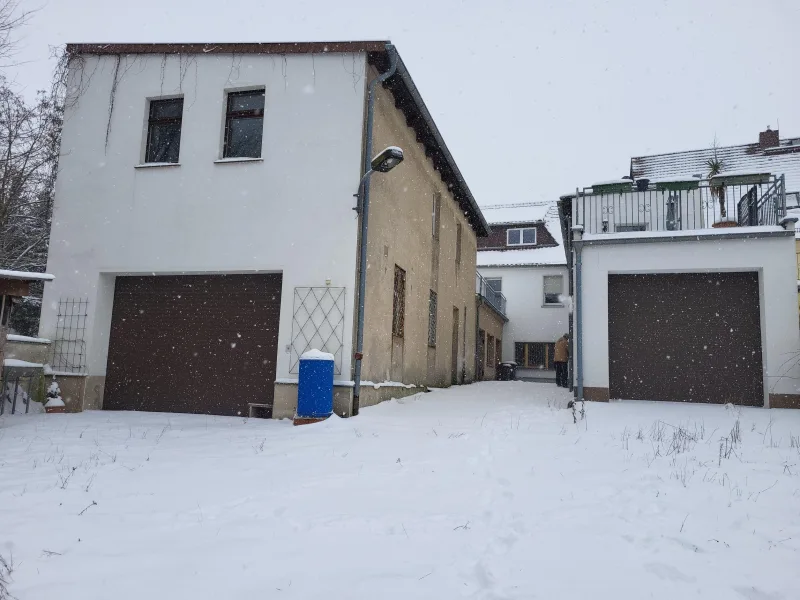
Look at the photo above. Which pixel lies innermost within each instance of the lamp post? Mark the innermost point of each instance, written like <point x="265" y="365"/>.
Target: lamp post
<point x="384" y="162"/>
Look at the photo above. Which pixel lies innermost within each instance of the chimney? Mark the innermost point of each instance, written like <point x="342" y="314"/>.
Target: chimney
<point x="768" y="139"/>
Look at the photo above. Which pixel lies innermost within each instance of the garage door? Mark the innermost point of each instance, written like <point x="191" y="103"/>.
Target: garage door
<point x="686" y="337"/>
<point x="194" y="344"/>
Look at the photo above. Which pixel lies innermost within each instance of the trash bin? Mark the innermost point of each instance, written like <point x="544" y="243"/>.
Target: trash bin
<point x="506" y="371"/>
<point x="315" y="385"/>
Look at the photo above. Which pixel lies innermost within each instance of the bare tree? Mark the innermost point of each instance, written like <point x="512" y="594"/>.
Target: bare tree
<point x="11" y="19"/>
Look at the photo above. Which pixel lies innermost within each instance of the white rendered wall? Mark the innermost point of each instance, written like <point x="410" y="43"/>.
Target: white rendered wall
<point x="529" y="320"/>
<point x="773" y="258"/>
<point x="290" y="213"/>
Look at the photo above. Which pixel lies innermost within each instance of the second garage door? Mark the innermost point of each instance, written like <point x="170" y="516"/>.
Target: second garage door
<point x="691" y="337"/>
<point x="194" y="344"/>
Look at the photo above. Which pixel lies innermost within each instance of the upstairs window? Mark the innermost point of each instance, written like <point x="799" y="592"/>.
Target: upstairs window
<point x="244" y="124"/>
<point x="436" y="210"/>
<point x="496" y="283"/>
<point x="164" y="131"/>
<point x="458" y="245"/>
<point x="525" y="236"/>
<point x="553" y="288"/>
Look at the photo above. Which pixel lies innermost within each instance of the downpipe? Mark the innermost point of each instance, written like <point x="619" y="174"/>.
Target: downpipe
<point x="363" y="210"/>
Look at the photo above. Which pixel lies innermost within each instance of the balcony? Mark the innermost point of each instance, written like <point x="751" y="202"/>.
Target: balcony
<point x="727" y="200"/>
<point x="495" y="299"/>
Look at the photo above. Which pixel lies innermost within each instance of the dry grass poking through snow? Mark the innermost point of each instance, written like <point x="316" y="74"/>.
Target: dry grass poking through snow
<point x="485" y="491"/>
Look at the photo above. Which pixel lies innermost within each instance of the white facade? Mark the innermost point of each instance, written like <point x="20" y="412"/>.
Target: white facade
<point x="288" y="212"/>
<point x="529" y="318"/>
<point x="773" y="258"/>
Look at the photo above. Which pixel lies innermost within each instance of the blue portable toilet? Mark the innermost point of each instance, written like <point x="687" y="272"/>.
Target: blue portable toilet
<point x="315" y="385"/>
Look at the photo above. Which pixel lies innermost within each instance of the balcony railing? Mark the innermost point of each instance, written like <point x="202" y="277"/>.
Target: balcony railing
<point x="683" y="204"/>
<point x="484" y="289"/>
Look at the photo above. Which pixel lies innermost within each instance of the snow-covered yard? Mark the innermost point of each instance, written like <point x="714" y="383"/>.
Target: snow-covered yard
<point x="486" y="491"/>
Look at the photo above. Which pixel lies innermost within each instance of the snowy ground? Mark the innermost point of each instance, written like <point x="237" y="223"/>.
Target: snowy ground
<point x="485" y="491"/>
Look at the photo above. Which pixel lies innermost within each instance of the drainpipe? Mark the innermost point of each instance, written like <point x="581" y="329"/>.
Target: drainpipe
<point x="364" y="212"/>
<point x="577" y="237"/>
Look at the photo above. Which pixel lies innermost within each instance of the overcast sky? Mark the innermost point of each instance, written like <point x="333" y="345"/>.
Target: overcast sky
<point x="533" y="97"/>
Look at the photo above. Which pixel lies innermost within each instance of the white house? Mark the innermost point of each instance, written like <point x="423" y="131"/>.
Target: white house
<point x="204" y="233"/>
<point x="524" y="259"/>
<point x="684" y="290"/>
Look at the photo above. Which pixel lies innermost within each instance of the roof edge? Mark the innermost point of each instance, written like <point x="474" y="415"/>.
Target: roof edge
<point x="229" y="47"/>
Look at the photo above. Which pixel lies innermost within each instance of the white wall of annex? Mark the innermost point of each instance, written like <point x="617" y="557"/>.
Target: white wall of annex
<point x="290" y="212"/>
<point x="773" y="258"/>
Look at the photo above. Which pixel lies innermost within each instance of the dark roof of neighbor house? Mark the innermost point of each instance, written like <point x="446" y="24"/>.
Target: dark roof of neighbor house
<point x="781" y="157"/>
<point x="525" y="213"/>
<point x="407" y="96"/>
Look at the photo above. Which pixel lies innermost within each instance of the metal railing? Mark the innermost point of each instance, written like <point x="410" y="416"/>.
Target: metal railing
<point x="681" y="205"/>
<point x="484" y="289"/>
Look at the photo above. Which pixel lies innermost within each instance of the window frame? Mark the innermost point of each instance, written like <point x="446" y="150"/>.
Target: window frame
<point x="436" y="215"/>
<point x="489" y="281"/>
<point x="152" y="104"/>
<point x="545" y="303"/>
<point x="399" y="302"/>
<point x="522" y="231"/>
<point x="545" y="349"/>
<point x="433" y="308"/>
<point x="459" y="239"/>
<point x="230" y="115"/>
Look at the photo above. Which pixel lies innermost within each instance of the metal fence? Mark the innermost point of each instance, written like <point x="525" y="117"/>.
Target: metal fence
<point x="689" y="204"/>
<point x="17" y="391"/>
<point x="488" y="293"/>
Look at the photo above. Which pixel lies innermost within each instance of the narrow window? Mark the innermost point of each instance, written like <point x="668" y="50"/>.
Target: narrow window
<point x="432" y="320"/>
<point x="244" y="124"/>
<point x="525" y="236"/>
<point x="399" y="304"/>
<point x="436" y="210"/>
<point x="458" y="245"/>
<point x="498" y="355"/>
<point x="164" y="131"/>
<point x="496" y="283"/>
<point x="553" y="288"/>
<point x="490" y="350"/>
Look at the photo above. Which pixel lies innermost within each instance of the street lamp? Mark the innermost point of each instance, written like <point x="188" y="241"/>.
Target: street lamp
<point x="384" y="162"/>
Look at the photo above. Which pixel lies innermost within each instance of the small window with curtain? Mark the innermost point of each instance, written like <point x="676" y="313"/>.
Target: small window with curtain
<point x="553" y="288"/>
<point x="432" y="303"/>
<point x="244" y="124"/>
<point x="164" y="131"/>
<point x="399" y="303"/>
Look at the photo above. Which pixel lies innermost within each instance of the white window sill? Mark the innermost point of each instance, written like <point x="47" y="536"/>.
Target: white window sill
<point x="515" y="246"/>
<point x="155" y="165"/>
<point x="237" y="159"/>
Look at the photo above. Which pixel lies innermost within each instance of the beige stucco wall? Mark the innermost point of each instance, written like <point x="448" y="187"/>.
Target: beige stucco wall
<point x="492" y="325"/>
<point x="400" y="234"/>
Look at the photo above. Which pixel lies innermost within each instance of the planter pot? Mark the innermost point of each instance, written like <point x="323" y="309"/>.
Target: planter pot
<point x="723" y="224"/>
<point x="55" y="409"/>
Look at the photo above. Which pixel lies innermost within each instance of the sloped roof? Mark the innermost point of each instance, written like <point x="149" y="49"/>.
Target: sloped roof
<point x="509" y="214"/>
<point x="531" y="212"/>
<point x="783" y="159"/>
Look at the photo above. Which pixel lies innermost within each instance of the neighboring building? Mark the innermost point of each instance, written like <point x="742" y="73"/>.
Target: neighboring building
<point x="770" y="154"/>
<point x="523" y="258"/>
<point x="204" y="221"/>
<point x="684" y="290"/>
<point x="491" y="307"/>
<point x="14" y="285"/>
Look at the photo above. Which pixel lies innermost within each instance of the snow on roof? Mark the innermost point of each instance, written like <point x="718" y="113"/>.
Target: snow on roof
<point x="25" y="275"/>
<point x="523" y="212"/>
<point x="12" y="337"/>
<point x="741" y="173"/>
<point x="687" y="233"/>
<point x="613" y="182"/>
<point x="15" y="362"/>
<point x="547" y="256"/>
<point x="747" y="157"/>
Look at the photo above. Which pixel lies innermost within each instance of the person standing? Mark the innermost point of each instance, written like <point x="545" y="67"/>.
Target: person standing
<point x="561" y="358"/>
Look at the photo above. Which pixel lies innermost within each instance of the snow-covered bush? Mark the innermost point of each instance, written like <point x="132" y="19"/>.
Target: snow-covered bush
<point x="54" y="399"/>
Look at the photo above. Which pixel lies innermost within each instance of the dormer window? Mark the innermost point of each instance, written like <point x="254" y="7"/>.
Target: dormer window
<point x="525" y="236"/>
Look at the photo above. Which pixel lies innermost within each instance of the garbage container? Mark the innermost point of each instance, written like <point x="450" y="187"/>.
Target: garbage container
<point x="506" y="371"/>
<point x="315" y="385"/>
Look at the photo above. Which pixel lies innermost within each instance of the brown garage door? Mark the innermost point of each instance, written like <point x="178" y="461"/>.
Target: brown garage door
<point x="194" y="344"/>
<point x="686" y="337"/>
